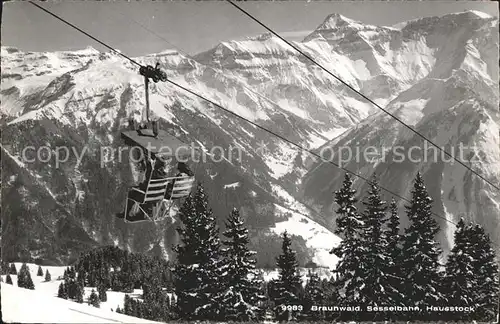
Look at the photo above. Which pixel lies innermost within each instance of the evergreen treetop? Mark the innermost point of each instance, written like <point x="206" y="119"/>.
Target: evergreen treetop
<point x="47" y="275"/>
<point x="24" y="278"/>
<point x="288" y="286"/>
<point x="242" y="292"/>
<point x="13" y="270"/>
<point x="350" y="269"/>
<point x="198" y="267"/>
<point x="376" y="289"/>
<point x="420" y="251"/>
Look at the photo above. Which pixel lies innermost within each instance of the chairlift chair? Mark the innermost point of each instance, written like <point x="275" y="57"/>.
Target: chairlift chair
<point x="151" y="204"/>
<point x="148" y="202"/>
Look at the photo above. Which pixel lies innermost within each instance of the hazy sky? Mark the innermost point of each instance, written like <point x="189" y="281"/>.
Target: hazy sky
<point x="195" y="26"/>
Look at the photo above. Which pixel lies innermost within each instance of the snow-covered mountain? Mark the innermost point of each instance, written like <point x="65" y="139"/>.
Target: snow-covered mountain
<point x="454" y="102"/>
<point x="83" y="99"/>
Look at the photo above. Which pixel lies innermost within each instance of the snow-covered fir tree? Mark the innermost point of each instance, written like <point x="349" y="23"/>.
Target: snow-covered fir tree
<point x="197" y="272"/>
<point x="47" y="276"/>
<point x="331" y="297"/>
<point x="393" y="249"/>
<point x="39" y="272"/>
<point x="62" y="292"/>
<point x="101" y="290"/>
<point x="8" y="279"/>
<point x="349" y="271"/>
<point x="24" y="278"/>
<point x="313" y="296"/>
<point x="156" y="302"/>
<point x="243" y="293"/>
<point x="460" y="280"/>
<point x="13" y="270"/>
<point x="376" y="289"/>
<point x="288" y="286"/>
<point x="485" y="269"/>
<point x="420" y="254"/>
<point x="79" y="293"/>
<point x="94" y="299"/>
<point x="4" y="267"/>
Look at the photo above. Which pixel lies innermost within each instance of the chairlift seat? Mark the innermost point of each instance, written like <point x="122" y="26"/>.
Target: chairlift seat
<point x="154" y="197"/>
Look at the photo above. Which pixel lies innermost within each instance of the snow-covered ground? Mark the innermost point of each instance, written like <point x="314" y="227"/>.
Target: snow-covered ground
<point x="48" y="308"/>
<point x="21" y="305"/>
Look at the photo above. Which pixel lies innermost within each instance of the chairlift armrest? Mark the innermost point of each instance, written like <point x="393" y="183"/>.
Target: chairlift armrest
<point x="137" y="189"/>
<point x="137" y="195"/>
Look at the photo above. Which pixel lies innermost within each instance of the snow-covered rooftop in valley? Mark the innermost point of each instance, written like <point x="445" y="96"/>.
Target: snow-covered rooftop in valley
<point x="232" y="185"/>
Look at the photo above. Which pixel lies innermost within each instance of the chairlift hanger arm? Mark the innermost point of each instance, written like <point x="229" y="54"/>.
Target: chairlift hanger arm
<point x="155" y="74"/>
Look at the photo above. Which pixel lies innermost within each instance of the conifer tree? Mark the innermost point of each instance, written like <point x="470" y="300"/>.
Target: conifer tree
<point x="71" y="272"/>
<point x="460" y="279"/>
<point x="393" y="241"/>
<point x="101" y="289"/>
<point x="79" y="293"/>
<point x="5" y="267"/>
<point x="94" y="299"/>
<point x="348" y="273"/>
<point x="243" y="294"/>
<point x="288" y="284"/>
<point x="61" y="292"/>
<point x="314" y="295"/>
<point x="39" y="272"/>
<point x="485" y="269"/>
<point x="197" y="272"/>
<point x="127" y="305"/>
<point x="13" y="270"/>
<point x="394" y="256"/>
<point x="376" y="289"/>
<point x="24" y="278"/>
<point x="8" y="279"/>
<point x="47" y="276"/>
<point x="420" y="253"/>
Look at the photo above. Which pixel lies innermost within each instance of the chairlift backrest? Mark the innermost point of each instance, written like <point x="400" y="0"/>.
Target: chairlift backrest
<point x="156" y="190"/>
<point x="182" y="186"/>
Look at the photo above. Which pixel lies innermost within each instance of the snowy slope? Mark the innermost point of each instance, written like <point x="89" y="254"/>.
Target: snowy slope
<point x="46" y="309"/>
<point x="114" y="299"/>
